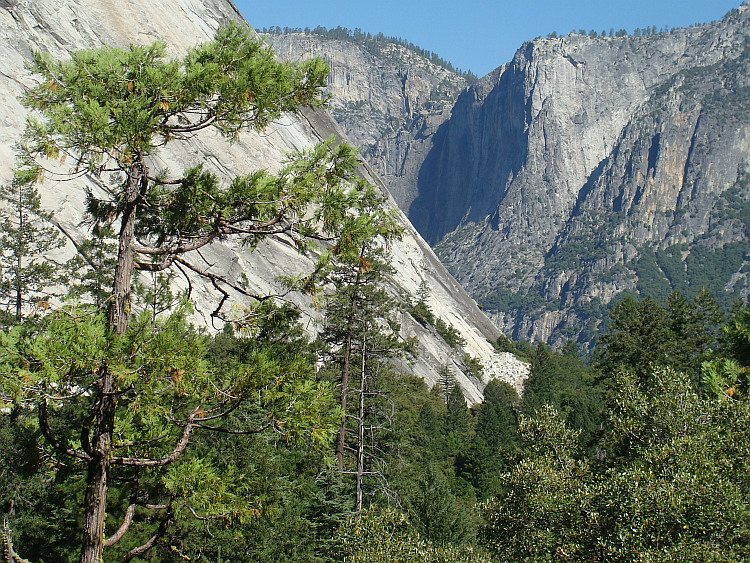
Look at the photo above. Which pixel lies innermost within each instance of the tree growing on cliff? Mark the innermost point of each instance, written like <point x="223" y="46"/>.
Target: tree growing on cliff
<point x="133" y="395"/>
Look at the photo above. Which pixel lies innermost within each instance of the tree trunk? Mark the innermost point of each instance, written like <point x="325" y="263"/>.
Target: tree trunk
<point x="19" y="291"/>
<point x="97" y="484"/>
<point x="97" y="475"/>
<point x="95" y="508"/>
<point x="19" y="261"/>
<point x="361" y="436"/>
<point x="118" y="312"/>
<point x="341" y="438"/>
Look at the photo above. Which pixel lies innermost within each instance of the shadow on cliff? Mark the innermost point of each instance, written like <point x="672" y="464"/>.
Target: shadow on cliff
<point x="474" y="158"/>
<point x="424" y="212"/>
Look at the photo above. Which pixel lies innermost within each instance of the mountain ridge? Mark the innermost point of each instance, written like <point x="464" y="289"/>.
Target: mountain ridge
<point x="388" y="104"/>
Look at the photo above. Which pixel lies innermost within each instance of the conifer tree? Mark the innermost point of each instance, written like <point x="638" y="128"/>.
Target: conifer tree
<point x="458" y="423"/>
<point x="362" y="331"/>
<point x="26" y="236"/>
<point x="147" y="387"/>
<point x="90" y="270"/>
<point x="737" y="335"/>
<point x="639" y="339"/>
<point x="497" y="422"/>
<point x="495" y="441"/>
<point x="447" y="381"/>
<point x="110" y="110"/>
<point x="695" y="326"/>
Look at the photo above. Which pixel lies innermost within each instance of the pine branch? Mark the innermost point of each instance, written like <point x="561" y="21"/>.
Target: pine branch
<point x="52" y="439"/>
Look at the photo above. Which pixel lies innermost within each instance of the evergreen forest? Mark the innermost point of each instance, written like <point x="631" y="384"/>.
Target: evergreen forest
<point x="130" y="434"/>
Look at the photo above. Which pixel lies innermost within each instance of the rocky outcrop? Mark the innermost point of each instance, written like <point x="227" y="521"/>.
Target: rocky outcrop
<point x="59" y="26"/>
<point x="584" y="167"/>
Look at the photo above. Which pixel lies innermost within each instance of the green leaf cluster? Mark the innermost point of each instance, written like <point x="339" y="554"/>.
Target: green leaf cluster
<point x="112" y="103"/>
<point x="667" y="478"/>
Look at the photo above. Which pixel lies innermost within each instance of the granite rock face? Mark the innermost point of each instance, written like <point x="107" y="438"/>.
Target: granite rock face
<point x="590" y="166"/>
<point x="59" y="26"/>
<point x="582" y="168"/>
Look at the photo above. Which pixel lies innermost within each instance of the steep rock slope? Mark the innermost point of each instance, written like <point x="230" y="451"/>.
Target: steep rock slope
<point x="389" y="100"/>
<point x="59" y="26"/>
<point x="589" y="166"/>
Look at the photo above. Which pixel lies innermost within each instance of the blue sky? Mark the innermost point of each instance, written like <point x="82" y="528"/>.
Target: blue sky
<point x="481" y="35"/>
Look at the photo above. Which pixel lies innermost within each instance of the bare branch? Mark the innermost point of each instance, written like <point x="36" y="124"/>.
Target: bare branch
<point x="238" y="432"/>
<point x="222" y="414"/>
<point x="220" y="279"/>
<point x="129" y="513"/>
<point x="9" y="554"/>
<point x="187" y="280"/>
<point x="140" y="550"/>
<point x="176" y="453"/>
<point x="181" y="248"/>
<point x="114" y="538"/>
<point x="195" y="514"/>
<point x="154" y="266"/>
<point x="204" y="122"/>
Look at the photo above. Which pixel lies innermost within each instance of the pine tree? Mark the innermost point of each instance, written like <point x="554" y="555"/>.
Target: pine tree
<point x="639" y="339"/>
<point x="497" y="423"/>
<point x="363" y="334"/>
<point x="91" y="269"/>
<point x="26" y="236"/>
<point x="736" y="335"/>
<point x="148" y="386"/>
<point x="458" y="425"/>
<point x="695" y="326"/>
<point x="447" y="381"/>
<point x="154" y="294"/>
<point x="110" y="110"/>
<point x="495" y="442"/>
<point x="706" y="319"/>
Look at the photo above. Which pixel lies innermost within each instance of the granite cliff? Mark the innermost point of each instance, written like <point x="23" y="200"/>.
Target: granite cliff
<point x="590" y="166"/>
<point x="60" y="26"/>
<point x="584" y="167"/>
<point x="388" y="99"/>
